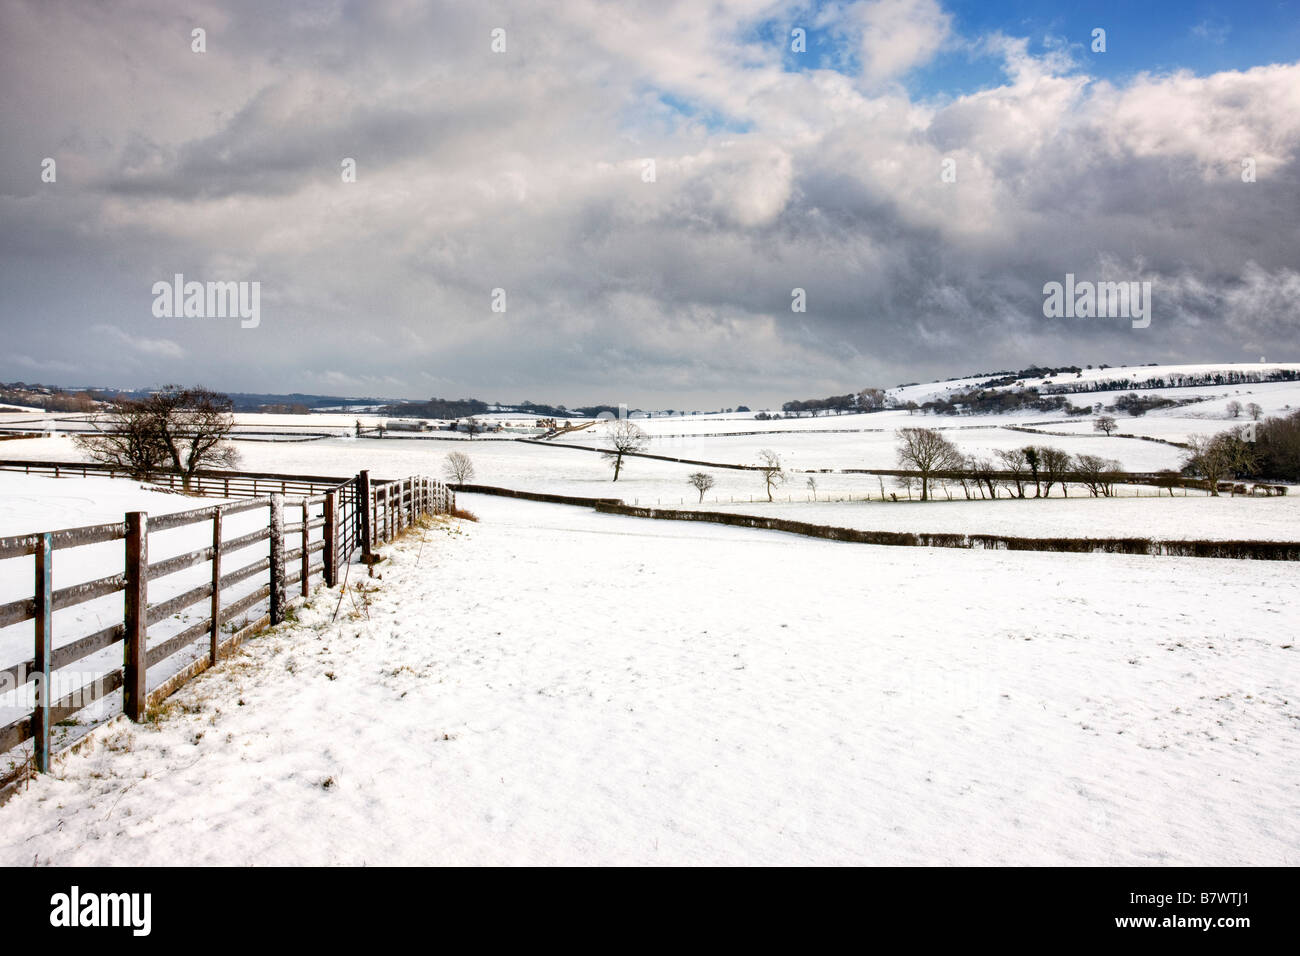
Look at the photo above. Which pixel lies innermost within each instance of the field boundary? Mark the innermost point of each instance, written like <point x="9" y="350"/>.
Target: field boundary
<point x="1256" y="550"/>
<point x="1030" y="430"/>
<point x="536" y="496"/>
<point x="1156" y="479"/>
<point x="1233" y="549"/>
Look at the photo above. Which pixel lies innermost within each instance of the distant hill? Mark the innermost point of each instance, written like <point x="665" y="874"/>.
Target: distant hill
<point x="86" y="399"/>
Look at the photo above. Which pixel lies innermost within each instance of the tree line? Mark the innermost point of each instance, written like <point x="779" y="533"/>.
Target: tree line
<point x="1267" y="450"/>
<point x="1177" y="380"/>
<point x="864" y="400"/>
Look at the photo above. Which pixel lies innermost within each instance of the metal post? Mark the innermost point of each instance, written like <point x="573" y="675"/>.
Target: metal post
<point x="277" y="559"/>
<point x="44" y="652"/>
<point x="306" y="555"/>
<point x="328" y="554"/>
<point x="363" y="514"/>
<point x="215" y="640"/>
<point x="136" y="604"/>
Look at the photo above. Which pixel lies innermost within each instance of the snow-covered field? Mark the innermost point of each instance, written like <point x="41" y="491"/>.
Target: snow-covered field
<point x="553" y="685"/>
<point x="556" y="686"/>
<point x="813" y="450"/>
<point x="574" y="471"/>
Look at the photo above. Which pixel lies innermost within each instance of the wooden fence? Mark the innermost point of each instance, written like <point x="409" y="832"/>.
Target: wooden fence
<point x="326" y="529"/>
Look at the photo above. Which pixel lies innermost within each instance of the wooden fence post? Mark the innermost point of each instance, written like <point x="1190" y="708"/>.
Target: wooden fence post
<point x="306" y="555"/>
<point x="363" y="514"/>
<point x="136" y="605"/>
<point x="277" y="559"/>
<point x="44" y="652"/>
<point x="328" y="554"/>
<point x="216" y="587"/>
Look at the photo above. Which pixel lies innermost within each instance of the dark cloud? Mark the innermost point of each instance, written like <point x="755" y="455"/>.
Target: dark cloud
<point x="524" y="171"/>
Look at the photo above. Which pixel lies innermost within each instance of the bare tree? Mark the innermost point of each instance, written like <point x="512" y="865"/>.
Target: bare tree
<point x="984" y="473"/>
<point x="1104" y="424"/>
<point x="1233" y="409"/>
<point x="458" y="467"/>
<point x="1219" y="456"/>
<point x="1254" y="411"/>
<point x="192" y="424"/>
<point x="812" y="486"/>
<point x="1168" y="478"/>
<point x="927" y="451"/>
<point x="1032" y="460"/>
<point x="1277" y="443"/>
<point x="473" y="426"/>
<point x="1086" y="469"/>
<point x="1055" y="466"/>
<point x="124" y="437"/>
<point x="624" y="437"/>
<point x="176" y="429"/>
<point x="1014" y="461"/>
<point x="701" y="481"/>
<point x="769" y="465"/>
<point x="1097" y="474"/>
<point x="870" y="399"/>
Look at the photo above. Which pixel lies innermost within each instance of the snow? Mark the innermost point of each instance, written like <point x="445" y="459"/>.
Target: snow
<point x="551" y="685"/>
<point x="30" y="503"/>
<point x="637" y="692"/>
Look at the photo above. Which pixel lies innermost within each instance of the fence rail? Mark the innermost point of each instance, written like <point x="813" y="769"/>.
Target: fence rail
<point x="205" y="482"/>
<point x="324" y="529"/>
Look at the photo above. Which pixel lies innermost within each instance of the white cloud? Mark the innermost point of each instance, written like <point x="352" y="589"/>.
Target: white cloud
<point x="144" y="345"/>
<point x="898" y="35"/>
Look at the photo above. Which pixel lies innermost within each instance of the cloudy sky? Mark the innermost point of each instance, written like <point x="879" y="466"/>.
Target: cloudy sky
<point x="527" y="170"/>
